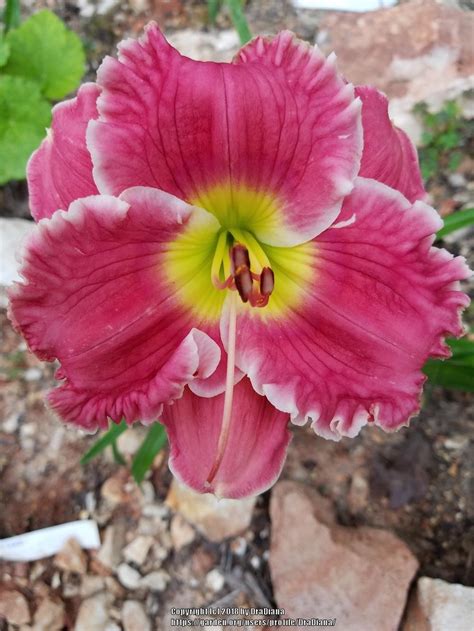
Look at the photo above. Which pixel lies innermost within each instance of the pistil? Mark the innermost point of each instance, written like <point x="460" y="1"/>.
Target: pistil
<point x="229" y="391"/>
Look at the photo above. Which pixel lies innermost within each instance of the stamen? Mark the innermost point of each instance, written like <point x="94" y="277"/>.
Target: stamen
<point x="240" y="257"/>
<point x="267" y="281"/>
<point x="229" y="391"/>
<point x="244" y="283"/>
<point x="237" y="273"/>
<point x="218" y="261"/>
<point x="253" y="245"/>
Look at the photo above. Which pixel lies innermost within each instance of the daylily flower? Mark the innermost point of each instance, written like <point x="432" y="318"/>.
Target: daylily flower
<point x="239" y="244"/>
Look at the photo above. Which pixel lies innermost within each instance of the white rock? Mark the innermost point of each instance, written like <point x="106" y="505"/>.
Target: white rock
<point x="439" y="606"/>
<point x="91" y="585"/>
<point x="457" y="180"/>
<point x="49" y="616"/>
<point x="344" y="5"/>
<point x="110" y="552"/>
<point x="155" y="581"/>
<point x="10" y="424"/>
<point x="12" y="235"/>
<point x="129" y="442"/>
<point x="214" y="46"/>
<point x="182" y="534"/>
<point x="134" y="617"/>
<point x="71" y="558"/>
<point x="14" y="607"/>
<point x="128" y="576"/>
<point x="93" y="614"/>
<point x="138" y="549"/>
<point x="215" y="518"/>
<point x="215" y="580"/>
<point x="32" y="374"/>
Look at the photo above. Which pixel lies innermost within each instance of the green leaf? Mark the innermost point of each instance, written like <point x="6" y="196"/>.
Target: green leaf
<point x="119" y="459"/>
<point x="11" y="14"/>
<point x="448" y="140"/>
<point x="106" y="440"/>
<point x="213" y="8"/>
<point x="456" y="372"/>
<point x="24" y="116"/>
<point x="4" y="51"/>
<point x="239" y="20"/>
<point x="454" y="160"/>
<point x="456" y="221"/>
<point x="155" y="441"/>
<point x="44" y="50"/>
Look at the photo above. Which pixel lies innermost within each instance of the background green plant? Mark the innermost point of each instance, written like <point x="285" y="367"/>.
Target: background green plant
<point x="444" y="139"/>
<point x="237" y="15"/>
<point x="41" y="61"/>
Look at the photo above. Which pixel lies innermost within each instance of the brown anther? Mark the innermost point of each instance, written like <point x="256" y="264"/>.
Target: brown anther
<point x="267" y="281"/>
<point x="239" y="257"/>
<point x="243" y="282"/>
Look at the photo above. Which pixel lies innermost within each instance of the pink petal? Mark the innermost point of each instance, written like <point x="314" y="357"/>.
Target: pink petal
<point x="255" y="450"/>
<point x="215" y="384"/>
<point x="380" y="303"/>
<point x="280" y="121"/>
<point x="389" y="156"/>
<point x="60" y="171"/>
<point x="95" y="297"/>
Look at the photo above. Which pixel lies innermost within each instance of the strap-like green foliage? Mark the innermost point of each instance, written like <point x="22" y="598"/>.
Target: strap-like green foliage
<point x="237" y="16"/>
<point x="456" y="221"/>
<point x="40" y="60"/>
<point x="106" y="440"/>
<point x="155" y="441"/>
<point x="456" y="372"/>
<point x="11" y="15"/>
<point x="4" y="51"/>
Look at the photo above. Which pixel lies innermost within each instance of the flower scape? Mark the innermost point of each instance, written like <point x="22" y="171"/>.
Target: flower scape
<point x="223" y="247"/>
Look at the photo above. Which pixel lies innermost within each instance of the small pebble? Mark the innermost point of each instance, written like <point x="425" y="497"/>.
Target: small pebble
<point x="239" y="546"/>
<point x="457" y="180"/>
<point x="255" y="562"/>
<point x="134" y="617"/>
<point x="128" y="577"/>
<point x="215" y="580"/>
<point x="10" y="425"/>
<point x="32" y="374"/>
<point x="155" y="581"/>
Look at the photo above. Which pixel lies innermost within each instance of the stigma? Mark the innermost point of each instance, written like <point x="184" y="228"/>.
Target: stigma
<point x="253" y="287"/>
